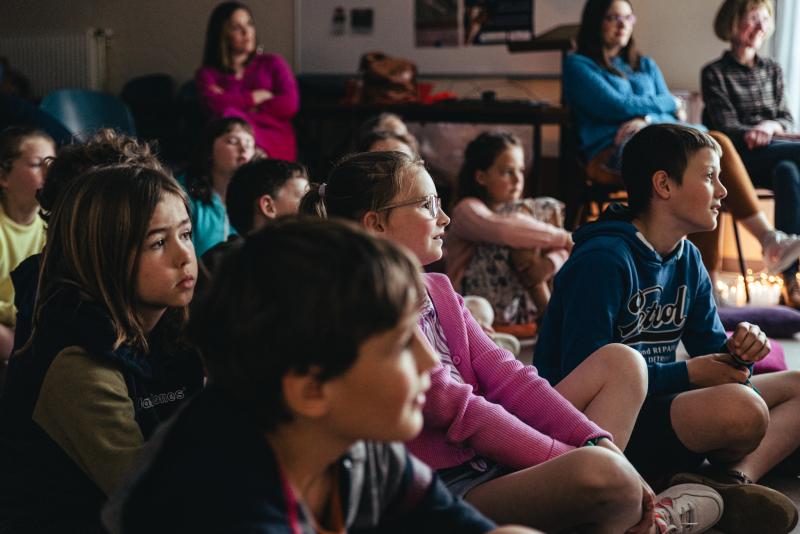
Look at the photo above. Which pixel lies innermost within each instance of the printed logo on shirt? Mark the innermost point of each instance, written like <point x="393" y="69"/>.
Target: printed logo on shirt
<point x="162" y="398"/>
<point x="654" y="322"/>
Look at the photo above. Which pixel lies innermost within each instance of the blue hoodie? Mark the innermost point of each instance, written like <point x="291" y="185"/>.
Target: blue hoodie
<point x="615" y="288"/>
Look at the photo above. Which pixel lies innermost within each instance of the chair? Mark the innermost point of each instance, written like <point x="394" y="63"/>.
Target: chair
<point x="583" y="195"/>
<point x="84" y="112"/>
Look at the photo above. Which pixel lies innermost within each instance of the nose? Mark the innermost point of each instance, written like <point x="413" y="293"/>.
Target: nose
<point x="443" y="219"/>
<point x="719" y="191"/>
<point x="185" y="253"/>
<point x="424" y="356"/>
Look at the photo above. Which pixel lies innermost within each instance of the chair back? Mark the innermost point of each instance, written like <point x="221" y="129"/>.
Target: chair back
<point x="84" y="112"/>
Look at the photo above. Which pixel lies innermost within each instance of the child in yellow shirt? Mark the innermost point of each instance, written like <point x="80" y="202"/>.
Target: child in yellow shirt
<point x="23" y="156"/>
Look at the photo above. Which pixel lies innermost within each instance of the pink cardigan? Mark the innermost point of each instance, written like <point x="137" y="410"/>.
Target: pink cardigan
<point x="504" y="410"/>
<point x="272" y="119"/>
<point x="473" y="223"/>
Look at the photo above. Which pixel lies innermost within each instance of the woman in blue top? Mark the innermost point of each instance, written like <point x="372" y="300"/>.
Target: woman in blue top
<point x="614" y="92"/>
<point x="228" y="143"/>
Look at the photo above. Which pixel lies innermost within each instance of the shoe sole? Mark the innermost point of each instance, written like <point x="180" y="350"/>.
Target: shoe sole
<point x="749" y="508"/>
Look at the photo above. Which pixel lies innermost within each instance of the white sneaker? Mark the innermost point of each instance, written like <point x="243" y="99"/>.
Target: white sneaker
<point x="780" y="251"/>
<point x="687" y="508"/>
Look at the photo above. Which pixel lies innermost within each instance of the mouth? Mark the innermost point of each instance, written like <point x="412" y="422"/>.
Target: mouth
<point x="419" y="400"/>
<point x="186" y="283"/>
<point x="438" y="237"/>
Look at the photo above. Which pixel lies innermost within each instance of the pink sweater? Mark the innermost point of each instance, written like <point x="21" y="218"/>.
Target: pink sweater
<point x="503" y="410"/>
<point x="272" y="119"/>
<point x="473" y="223"/>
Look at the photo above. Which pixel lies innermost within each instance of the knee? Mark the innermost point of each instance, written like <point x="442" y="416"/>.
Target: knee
<point x="626" y="367"/>
<point x="608" y="477"/>
<point x="746" y="419"/>
<point x="786" y="174"/>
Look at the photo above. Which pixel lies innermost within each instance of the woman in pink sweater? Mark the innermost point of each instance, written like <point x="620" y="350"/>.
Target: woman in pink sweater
<point x="499" y="247"/>
<point x="237" y="80"/>
<point x="496" y="432"/>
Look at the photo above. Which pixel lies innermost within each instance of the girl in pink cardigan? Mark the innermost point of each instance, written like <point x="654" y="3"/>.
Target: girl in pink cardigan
<point x="237" y="80"/>
<point x="498" y="247"/>
<point x="496" y="432"/>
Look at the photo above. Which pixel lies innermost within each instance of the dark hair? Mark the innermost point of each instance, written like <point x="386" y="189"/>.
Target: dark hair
<point x="271" y="309"/>
<point x="731" y="12"/>
<point x="359" y="183"/>
<point x="215" y="52"/>
<point x="94" y="240"/>
<point x="479" y="156"/>
<point x="660" y="147"/>
<point x="380" y="123"/>
<point x="106" y="147"/>
<point x="198" y="172"/>
<point x="590" y="37"/>
<point x="11" y="140"/>
<point x="254" y="180"/>
<point x="365" y="143"/>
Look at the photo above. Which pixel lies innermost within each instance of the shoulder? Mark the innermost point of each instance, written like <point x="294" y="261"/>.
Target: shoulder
<point x="440" y="288"/>
<point x="648" y="64"/>
<point x="578" y="62"/>
<point x="469" y="205"/>
<point x="76" y="370"/>
<point x="603" y="257"/>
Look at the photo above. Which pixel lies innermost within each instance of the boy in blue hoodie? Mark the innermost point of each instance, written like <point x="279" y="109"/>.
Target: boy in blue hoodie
<point x="633" y="278"/>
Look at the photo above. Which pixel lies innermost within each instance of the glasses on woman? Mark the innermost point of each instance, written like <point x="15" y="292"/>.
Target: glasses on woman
<point x="627" y="19"/>
<point x="432" y="203"/>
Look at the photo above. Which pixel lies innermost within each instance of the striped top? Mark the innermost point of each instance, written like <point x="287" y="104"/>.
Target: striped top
<point x="432" y="329"/>
<point x="738" y="97"/>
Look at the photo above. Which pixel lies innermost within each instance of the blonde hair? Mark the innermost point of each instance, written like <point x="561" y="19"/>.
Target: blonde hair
<point x="731" y="13"/>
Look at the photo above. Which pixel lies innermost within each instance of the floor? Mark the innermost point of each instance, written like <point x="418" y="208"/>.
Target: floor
<point x="788" y="485"/>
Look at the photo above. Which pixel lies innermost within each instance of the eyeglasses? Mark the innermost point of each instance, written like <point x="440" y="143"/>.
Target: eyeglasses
<point x="432" y="203"/>
<point x="628" y="19"/>
<point x="755" y="18"/>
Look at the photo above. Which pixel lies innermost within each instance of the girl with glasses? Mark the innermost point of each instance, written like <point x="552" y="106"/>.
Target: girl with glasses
<point x="499" y="246"/>
<point x="516" y="448"/>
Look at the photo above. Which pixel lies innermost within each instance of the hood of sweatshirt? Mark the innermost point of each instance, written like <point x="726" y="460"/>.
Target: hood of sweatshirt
<point x="616" y="223"/>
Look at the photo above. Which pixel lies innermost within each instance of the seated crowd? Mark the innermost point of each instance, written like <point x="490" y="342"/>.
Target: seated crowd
<point x="248" y="348"/>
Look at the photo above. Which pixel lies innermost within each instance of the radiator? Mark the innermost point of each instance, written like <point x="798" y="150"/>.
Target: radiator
<point x="59" y="59"/>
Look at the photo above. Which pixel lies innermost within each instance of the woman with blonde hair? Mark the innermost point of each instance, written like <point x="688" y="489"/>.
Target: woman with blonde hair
<point x="744" y="98"/>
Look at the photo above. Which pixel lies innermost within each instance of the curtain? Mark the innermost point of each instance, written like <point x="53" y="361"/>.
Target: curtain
<point x="786" y="44"/>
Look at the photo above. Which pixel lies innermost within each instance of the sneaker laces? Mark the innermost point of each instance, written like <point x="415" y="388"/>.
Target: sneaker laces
<point x="665" y="518"/>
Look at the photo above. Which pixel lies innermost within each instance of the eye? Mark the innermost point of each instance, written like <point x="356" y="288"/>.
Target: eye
<point x="187" y="235"/>
<point x="158" y="244"/>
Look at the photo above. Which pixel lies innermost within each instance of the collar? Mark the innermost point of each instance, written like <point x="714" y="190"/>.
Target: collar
<point x="728" y="56"/>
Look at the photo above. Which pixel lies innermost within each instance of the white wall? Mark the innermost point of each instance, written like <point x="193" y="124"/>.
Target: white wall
<point x="149" y="35"/>
<point x="167" y="35"/>
<point x="678" y="34"/>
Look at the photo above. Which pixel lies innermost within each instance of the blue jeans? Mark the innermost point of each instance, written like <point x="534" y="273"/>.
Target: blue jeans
<point x="777" y="167"/>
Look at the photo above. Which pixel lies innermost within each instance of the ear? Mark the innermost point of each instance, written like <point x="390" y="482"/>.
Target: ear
<point x="662" y="185"/>
<point x="266" y="205"/>
<point x="305" y="394"/>
<point x="480" y="177"/>
<point x="373" y="222"/>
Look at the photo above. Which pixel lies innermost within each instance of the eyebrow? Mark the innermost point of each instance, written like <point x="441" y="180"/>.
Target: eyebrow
<point x="165" y="228"/>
